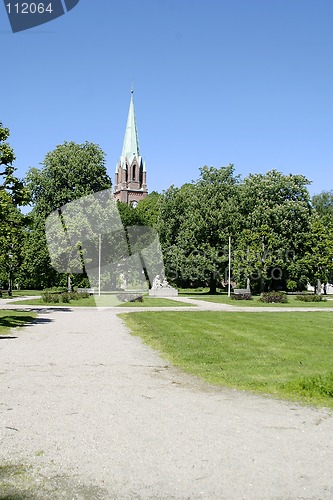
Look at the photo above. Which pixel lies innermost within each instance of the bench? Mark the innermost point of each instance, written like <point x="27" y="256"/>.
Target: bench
<point x="242" y="293"/>
<point x="91" y="291"/>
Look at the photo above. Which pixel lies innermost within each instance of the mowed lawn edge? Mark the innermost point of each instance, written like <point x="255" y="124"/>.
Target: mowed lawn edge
<point x="288" y="356"/>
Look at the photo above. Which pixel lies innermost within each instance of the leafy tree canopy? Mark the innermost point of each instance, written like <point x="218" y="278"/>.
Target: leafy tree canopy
<point x="69" y="172"/>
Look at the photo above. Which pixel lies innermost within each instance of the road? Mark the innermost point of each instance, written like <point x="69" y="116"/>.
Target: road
<point x="99" y="415"/>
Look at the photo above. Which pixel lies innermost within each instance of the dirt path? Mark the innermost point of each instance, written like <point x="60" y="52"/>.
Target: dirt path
<point x="100" y="415"/>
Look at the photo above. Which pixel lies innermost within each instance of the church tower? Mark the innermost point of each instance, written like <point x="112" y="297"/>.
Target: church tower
<point x="130" y="179"/>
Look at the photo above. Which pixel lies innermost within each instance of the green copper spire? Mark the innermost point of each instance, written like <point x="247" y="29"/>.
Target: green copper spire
<point x="131" y="142"/>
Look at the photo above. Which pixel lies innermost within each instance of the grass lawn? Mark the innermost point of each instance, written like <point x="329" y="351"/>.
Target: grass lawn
<point x="285" y="355"/>
<point x="107" y="300"/>
<point x="255" y="302"/>
<point x="14" y="319"/>
<point x="22" y="293"/>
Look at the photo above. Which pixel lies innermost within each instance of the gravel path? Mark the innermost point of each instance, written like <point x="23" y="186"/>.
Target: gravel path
<point x="97" y="414"/>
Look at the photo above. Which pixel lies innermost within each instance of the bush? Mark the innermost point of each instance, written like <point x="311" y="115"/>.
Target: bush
<point x="310" y="298"/>
<point x="82" y="295"/>
<point x="65" y="297"/>
<point x="274" y="297"/>
<point x="53" y="298"/>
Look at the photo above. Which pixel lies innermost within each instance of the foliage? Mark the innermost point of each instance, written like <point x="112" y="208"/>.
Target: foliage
<point x="317" y="256"/>
<point x="275" y="297"/>
<point x="310" y="298"/>
<point x="128" y="214"/>
<point x="13" y="194"/>
<point x="194" y="224"/>
<point x="323" y="204"/>
<point x="12" y="190"/>
<point x="69" y="172"/>
<point x="275" y="212"/>
<point x="64" y="297"/>
<point x="148" y="209"/>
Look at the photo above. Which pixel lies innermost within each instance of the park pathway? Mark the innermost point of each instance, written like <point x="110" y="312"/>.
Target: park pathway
<point x="102" y="416"/>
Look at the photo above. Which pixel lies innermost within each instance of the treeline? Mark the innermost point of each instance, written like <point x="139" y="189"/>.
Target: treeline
<point x="280" y="237"/>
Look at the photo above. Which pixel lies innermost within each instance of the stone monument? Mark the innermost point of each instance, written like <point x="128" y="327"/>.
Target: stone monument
<point x="161" y="288"/>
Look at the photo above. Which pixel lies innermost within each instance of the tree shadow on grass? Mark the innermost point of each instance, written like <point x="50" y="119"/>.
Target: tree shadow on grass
<point x="19" y="320"/>
<point x="15" y="321"/>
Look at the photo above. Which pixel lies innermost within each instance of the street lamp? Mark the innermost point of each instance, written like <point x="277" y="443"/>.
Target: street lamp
<point x="10" y="289"/>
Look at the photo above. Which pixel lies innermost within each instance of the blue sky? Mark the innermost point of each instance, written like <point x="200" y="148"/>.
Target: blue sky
<point x="247" y="82"/>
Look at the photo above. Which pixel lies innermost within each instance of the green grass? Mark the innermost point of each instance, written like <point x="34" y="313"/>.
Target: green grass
<point x="22" y="293"/>
<point x="255" y="302"/>
<point x="107" y="300"/>
<point x="284" y="355"/>
<point x="14" y="319"/>
<point x="15" y="482"/>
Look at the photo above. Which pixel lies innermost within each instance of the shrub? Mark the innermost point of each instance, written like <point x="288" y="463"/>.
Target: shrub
<point x="274" y="297"/>
<point x="82" y="295"/>
<point x="53" y="298"/>
<point x="46" y="296"/>
<point x="65" y="297"/>
<point x="310" y="298"/>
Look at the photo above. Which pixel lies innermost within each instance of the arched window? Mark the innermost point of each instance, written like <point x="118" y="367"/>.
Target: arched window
<point x="134" y="173"/>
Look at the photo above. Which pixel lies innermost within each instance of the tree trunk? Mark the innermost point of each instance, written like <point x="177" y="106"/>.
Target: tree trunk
<point x="212" y="285"/>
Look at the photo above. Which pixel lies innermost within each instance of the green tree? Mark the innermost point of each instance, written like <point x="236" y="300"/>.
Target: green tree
<point x="69" y="172"/>
<point x="195" y="223"/>
<point x="323" y="204"/>
<point x="148" y="209"/>
<point x="13" y="194"/>
<point x="12" y="191"/>
<point x="275" y="211"/>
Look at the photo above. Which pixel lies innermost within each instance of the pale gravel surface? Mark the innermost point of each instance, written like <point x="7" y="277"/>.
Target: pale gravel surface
<point x="103" y="416"/>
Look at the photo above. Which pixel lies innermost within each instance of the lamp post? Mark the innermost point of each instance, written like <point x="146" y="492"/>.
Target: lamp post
<point x="99" y="263"/>
<point x="229" y="267"/>
<point x="10" y="288"/>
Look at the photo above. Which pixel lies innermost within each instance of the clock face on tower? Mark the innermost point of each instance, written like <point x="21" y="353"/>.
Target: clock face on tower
<point x="134" y="204"/>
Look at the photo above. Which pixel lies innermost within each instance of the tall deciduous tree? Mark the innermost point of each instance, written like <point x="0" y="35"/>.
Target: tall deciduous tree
<point x="196" y="222"/>
<point x="13" y="194"/>
<point x="275" y="210"/>
<point x="69" y="172"/>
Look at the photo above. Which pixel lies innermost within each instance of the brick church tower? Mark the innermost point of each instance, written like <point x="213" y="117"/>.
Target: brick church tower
<point x="130" y="180"/>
